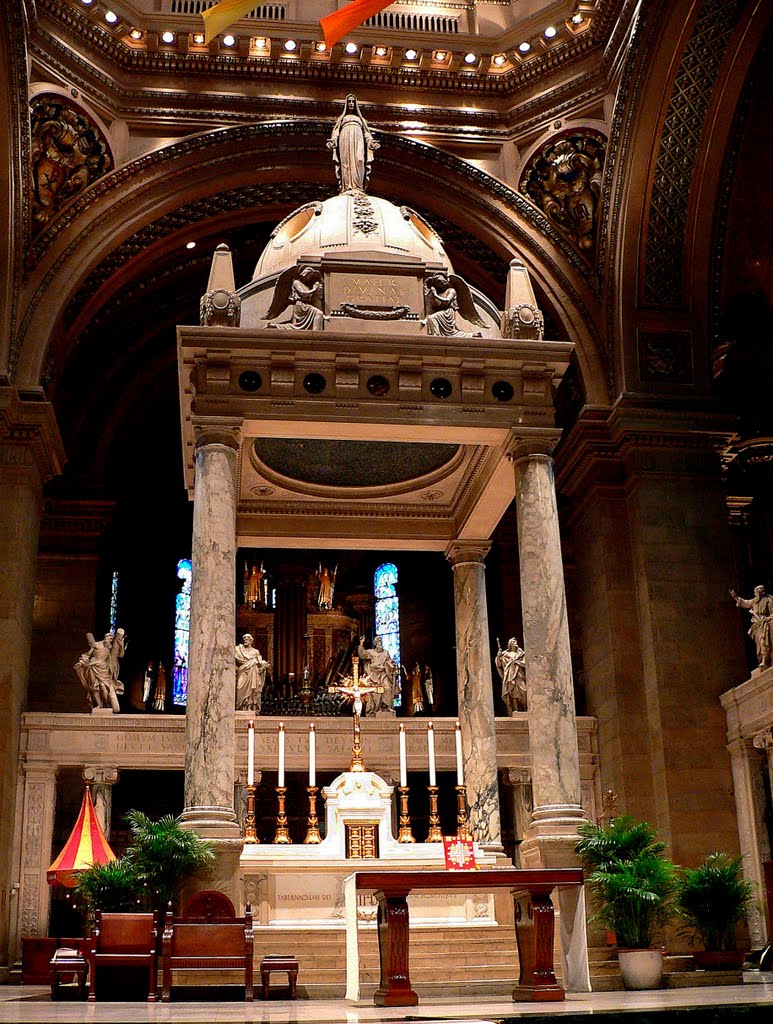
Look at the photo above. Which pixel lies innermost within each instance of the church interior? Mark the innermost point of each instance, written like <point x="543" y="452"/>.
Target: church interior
<point x="434" y="365"/>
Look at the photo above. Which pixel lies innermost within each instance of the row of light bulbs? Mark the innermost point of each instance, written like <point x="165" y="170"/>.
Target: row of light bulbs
<point x="351" y="49"/>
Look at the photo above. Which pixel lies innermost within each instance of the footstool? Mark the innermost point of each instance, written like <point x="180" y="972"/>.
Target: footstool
<point x="279" y="963"/>
<point x="68" y="963"/>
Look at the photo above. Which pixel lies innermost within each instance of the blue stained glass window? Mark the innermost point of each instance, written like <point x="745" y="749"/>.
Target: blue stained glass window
<point x="114" y="602"/>
<point x="388" y="611"/>
<point x="182" y="634"/>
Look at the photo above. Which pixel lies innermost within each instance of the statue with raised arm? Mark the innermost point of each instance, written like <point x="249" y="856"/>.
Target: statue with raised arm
<point x="250" y="675"/>
<point x="382" y="673"/>
<point x="97" y="670"/>
<point x="353" y="147"/>
<point x="445" y="295"/>
<point x="761" y="629"/>
<point x="511" y="666"/>
<point x="327" y="581"/>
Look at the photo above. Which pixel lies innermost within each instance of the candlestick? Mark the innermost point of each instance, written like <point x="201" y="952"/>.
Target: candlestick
<point x="312" y="831"/>
<point x="250" y="835"/>
<point x="281" y="770"/>
<point x="251" y="754"/>
<point x="431" y="752"/>
<point x="403" y="762"/>
<point x="312" y="755"/>
<point x="282" y="836"/>
<point x="434" y="835"/>
<point x="459" y="760"/>
<point x="405" y="835"/>
<point x="462" y="829"/>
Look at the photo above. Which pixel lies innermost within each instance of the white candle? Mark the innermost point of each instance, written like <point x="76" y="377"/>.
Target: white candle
<point x="431" y="752"/>
<point x="403" y="762"/>
<point x="312" y="755"/>
<point x="251" y="754"/>
<point x="459" y="763"/>
<point x="281" y="779"/>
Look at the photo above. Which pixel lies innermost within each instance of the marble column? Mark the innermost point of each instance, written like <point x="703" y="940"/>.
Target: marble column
<point x="30" y="453"/>
<point x="475" y="690"/>
<point x="748" y="767"/>
<point x="210" y="713"/>
<point x="555" y="759"/>
<point x="102" y="781"/>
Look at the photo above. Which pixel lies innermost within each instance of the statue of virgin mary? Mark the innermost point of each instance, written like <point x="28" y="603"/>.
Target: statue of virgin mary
<point x="353" y="147"/>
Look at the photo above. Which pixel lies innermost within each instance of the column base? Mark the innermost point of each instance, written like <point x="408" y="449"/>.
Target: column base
<point x="212" y="822"/>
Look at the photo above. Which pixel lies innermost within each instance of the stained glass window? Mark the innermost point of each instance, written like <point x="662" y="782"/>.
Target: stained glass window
<point x="114" y="602"/>
<point x="388" y="609"/>
<point x="182" y="633"/>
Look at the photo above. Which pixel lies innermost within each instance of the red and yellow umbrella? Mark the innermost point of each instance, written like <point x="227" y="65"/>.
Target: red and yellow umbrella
<point x="87" y="845"/>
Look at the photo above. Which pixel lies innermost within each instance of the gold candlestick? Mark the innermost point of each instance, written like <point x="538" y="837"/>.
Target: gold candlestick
<point x="282" y="836"/>
<point x="434" y="835"/>
<point x="405" y="835"/>
<point x="250" y="835"/>
<point x="312" y="832"/>
<point x="462" y="828"/>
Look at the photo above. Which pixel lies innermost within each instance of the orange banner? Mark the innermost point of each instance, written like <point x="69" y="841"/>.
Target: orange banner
<point x="336" y="25"/>
<point x="220" y="17"/>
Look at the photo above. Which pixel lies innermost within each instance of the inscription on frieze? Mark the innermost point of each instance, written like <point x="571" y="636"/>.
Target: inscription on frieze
<point x="373" y="290"/>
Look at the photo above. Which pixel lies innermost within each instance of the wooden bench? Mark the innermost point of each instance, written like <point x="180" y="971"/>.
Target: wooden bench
<point x="279" y="963"/>
<point x="217" y="945"/>
<point x="123" y="940"/>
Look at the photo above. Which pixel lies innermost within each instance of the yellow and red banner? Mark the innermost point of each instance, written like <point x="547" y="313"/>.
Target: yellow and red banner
<point x="87" y="845"/>
<point x="334" y="27"/>
<point x="460" y="854"/>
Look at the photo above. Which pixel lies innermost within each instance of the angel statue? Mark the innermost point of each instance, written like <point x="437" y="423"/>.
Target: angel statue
<point x="445" y="296"/>
<point x="301" y="288"/>
<point x="353" y="147"/>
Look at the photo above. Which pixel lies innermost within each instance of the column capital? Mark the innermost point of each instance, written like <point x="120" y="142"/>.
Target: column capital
<point x="459" y="551"/>
<point x="29" y="435"/>
<point x="528" y="442"/>
<point x="222" y="430"/>
<point x="100" y="775"/>
<point x="764" y="740"/>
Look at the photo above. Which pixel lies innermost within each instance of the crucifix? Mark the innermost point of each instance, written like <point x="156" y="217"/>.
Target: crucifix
<point x="355" y="689"/>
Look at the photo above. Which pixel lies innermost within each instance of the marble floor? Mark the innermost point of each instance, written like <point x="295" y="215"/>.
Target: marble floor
<point x="32" y="1005"/>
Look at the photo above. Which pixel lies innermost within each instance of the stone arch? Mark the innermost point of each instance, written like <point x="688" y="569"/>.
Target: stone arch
<point x="138" y="196"/>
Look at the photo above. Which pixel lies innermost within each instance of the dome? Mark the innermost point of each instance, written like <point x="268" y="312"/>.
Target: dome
<point x="351" y="223"/>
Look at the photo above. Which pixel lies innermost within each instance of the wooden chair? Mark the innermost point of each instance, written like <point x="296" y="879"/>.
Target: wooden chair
<point x="217" y="945"/>
<point x="124" y="940"/>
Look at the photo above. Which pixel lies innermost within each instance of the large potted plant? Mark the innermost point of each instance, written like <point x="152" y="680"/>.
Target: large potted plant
<point x="113" y="887"/>
<point x="711" y="900"/>
<point x="633" y="885"/>
<point x="164" y="856"/>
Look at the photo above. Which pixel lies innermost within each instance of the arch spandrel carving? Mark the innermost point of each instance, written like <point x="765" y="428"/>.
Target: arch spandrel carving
<point x="201" y="168"/>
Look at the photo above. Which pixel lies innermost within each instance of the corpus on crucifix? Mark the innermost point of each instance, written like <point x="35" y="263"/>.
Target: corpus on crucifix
<point x="355" y="688"/>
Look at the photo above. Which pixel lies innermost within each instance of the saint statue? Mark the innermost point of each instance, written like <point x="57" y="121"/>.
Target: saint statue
<point x="250" y="675"/>
<point x="417" y="694"/>
<point x="511" y="666"/>
<point x="761" y="630"/>
<point x="383" y="673"/>
<point x="97" y="670"/>
<point x="353" y="147"/>
<point x="254" y="594"/>
<point x="327" y="581"/>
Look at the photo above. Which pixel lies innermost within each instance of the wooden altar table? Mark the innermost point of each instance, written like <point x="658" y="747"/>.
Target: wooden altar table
<point x="534" y="925"/>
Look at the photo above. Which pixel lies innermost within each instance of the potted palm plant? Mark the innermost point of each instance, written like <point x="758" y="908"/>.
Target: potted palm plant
<point x="711" y="900"/>
<point x="634" y="886"/>
<point x="164" y="855"/>
<point x="111" y="887"/>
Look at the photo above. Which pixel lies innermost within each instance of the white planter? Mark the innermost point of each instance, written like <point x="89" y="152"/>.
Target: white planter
<point x="641" y="968"/>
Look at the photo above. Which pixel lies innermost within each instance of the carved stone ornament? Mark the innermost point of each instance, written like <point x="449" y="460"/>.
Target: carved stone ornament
<point x="351" y="309"/>
<point x="524" y="321"/>
<point x="564" y="179"/>
<point x="764" y="740"/>
<point x="300" y="287"/>
<point x="445" y="295"/>
<point x="220" y="308"/>
<point x="68" y="152"/>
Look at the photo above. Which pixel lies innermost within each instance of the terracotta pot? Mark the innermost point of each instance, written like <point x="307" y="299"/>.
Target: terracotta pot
<point x="720" y="960"/>
<point x="641" y="968"/>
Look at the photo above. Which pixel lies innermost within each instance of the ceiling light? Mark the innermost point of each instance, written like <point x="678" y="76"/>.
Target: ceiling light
<point x="439" y="55"/>
<point x="111" y="17"/>
<point x="87" y="3"/>
<point x="524" y="47"/>
<point x="260" y="43"/>
<point x="380" y="51"/>
<point x="135" y="33"/>
<point x="321" y="47"/>
<point x="470" y="58"/>
<point x="351" y="47"/>
<point x="411" y="54"/>
<point x="576" y="18"/>
<point x="290" y="45"/>
<point x="499" y="60"/>
<point x="550" y="31"/>
<point x="228" y="40"/>
<point x="167" y="37"/>
<point x="190" y="245"/>
<point x="198" y="38"/>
